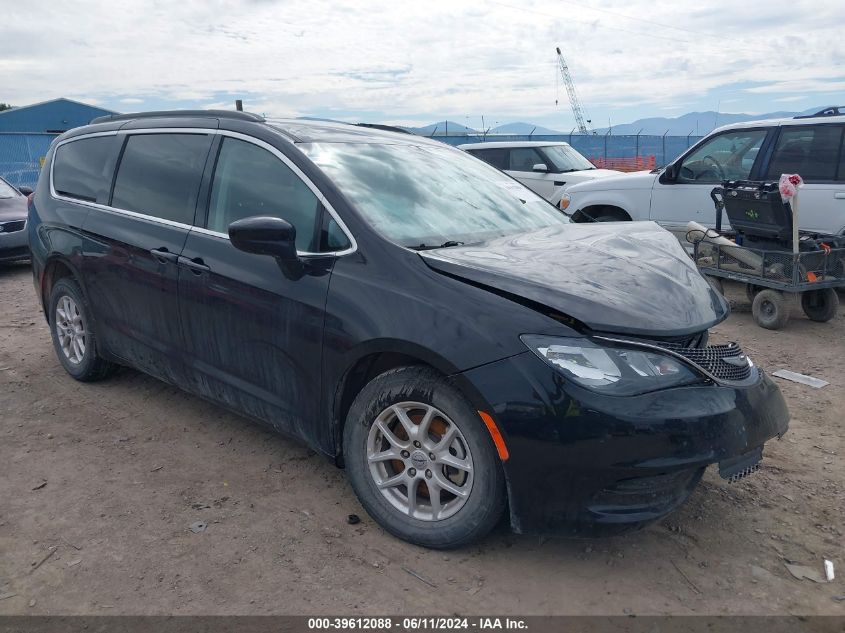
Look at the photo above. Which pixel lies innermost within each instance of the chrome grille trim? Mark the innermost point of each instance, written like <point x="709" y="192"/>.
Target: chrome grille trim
<point x="709" y="360"/>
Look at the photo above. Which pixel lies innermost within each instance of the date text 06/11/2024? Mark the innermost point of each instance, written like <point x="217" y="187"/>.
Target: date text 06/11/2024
<point x="418" y="623"/>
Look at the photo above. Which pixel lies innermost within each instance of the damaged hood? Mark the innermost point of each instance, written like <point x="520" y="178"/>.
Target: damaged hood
<point x="631" y="277"/>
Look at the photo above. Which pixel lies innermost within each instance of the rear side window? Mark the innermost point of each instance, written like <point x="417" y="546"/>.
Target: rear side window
<point x="813" y="151"/>
<point x="82" y="169"/>
<point x="159" y="175"/>
<point x="249" y="180"/>
<point x="497" y="157"/>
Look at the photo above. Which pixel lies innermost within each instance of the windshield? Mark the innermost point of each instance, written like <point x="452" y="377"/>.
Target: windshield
<point x="423" y="196"/>
<point x="6" y="190"/>
<point x="564" y="158"/>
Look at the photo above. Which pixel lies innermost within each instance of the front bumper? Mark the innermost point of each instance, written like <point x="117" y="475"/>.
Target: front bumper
<point x="14" y="246"/>
<point x="585" y="464"/>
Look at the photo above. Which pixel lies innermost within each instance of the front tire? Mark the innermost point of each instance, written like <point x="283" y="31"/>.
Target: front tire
<point x="72" y="330"/>
<point x="421" y="460"/>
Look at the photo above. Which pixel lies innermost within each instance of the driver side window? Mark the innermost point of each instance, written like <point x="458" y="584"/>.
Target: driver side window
<point x="249" y="180"/>
<point x="728" y="156"/>
<point x="524" y="159"/>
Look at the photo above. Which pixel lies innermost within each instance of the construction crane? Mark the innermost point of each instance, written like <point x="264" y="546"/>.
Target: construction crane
<point x="574" y="102"/>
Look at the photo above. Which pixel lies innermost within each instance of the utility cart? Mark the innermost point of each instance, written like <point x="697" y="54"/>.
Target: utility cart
<point x="765" y="251"/>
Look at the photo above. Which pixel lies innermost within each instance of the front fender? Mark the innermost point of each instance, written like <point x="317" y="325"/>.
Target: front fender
<point x="635" y="202"/>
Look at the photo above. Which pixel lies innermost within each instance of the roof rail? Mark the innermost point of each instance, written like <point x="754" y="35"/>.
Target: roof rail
<point x="217" y="114"/>
<point x="828" y="111"/>
<point x="386" y="128"/>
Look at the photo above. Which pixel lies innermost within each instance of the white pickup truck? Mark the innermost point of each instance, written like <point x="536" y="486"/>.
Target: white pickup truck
<point x="811" y="146"/>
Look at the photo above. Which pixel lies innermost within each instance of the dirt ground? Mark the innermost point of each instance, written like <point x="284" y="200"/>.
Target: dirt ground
<point x="131" y="463"/>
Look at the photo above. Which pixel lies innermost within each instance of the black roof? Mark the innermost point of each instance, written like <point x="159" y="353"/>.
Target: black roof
<point x="216" y="114"/>
<point x="296" y="130"/>
<point x="309" y="131"/>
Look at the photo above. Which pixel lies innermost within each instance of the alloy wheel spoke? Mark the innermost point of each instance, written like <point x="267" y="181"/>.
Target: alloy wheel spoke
<point x="447" y="438"/>
<point x="448" y="459"/>
<point x="434" y="495"/>
<point x="389" y="435"/>
<point x="405" y="421"/>
<point x="425" y="423"/>
<point x="384" y="456"/>
<point x="391" y="482"/>
<point x="413" y="486"/>
<point x="448" y="486"/>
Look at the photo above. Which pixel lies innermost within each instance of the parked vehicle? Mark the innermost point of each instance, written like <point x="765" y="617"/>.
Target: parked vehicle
<point x="544" y="167"/>
<point x="404" y="309"/>
<point x="13" y="242"/>
<point x="758" y="150"/>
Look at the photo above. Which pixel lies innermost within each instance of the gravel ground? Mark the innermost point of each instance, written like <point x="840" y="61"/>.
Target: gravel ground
<point x="131" y="463"/>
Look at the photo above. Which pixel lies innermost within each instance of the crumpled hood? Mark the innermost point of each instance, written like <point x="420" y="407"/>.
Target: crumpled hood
<point x="631" y="277"/>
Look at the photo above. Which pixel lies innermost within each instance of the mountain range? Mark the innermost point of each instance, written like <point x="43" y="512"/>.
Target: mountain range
<point x="692" y="123"/>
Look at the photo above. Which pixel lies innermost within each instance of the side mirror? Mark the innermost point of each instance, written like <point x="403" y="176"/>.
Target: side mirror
<point x="540" y="167"/>
<point x="25" y="190"/>
<point x="670" y="174"/>
<point x="265" y="236"/>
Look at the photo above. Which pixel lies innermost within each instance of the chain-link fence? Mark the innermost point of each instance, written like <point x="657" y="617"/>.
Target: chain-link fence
<point x="626" y="152"/>
<point x="22" y="155"/>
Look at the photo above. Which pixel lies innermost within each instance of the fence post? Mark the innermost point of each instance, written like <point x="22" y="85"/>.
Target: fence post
<point x="663" y="159"/>
<point x="637" y="146"/>
<point x="688" y="135"/>
<point x="606" y="134"/>
<point x="570" y="135"/>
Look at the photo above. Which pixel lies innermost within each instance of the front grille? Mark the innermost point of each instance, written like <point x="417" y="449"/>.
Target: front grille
<point x="12" y="227"/>
<point x="724" y="362"/>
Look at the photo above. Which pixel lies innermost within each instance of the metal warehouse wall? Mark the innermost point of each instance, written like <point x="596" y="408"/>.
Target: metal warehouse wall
<point x="21" y="156"/>
<point x="600" y="146"/>
<point x="51" y="116"/>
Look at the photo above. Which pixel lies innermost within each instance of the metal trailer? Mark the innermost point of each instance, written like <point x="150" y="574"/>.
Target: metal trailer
<point x="769" y="274"/>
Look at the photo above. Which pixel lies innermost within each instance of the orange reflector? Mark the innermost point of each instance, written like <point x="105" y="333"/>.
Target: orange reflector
<point x="811" y="277"/>
<point x="498" y="440"/>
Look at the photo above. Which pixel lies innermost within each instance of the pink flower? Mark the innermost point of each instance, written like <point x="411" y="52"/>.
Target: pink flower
<point x="795" y="179"/>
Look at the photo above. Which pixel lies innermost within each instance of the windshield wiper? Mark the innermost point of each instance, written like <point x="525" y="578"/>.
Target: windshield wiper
<point x="447" y="244"/>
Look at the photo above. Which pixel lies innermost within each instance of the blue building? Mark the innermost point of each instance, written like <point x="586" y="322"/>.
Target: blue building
<point x="26" y="133"/>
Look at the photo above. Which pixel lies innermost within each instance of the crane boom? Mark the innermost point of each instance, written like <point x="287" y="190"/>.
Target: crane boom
<point x="574" y="102"/>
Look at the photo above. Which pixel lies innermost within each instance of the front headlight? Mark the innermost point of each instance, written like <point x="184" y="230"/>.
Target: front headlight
<point x="564" y="201"/>
<point x="615" y="371"/>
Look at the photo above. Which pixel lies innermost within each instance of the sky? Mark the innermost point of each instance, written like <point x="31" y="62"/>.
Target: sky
<point x="412" y="63"/>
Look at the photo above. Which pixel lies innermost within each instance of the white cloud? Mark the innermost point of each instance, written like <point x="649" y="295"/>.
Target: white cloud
<point x="406" y="60"/>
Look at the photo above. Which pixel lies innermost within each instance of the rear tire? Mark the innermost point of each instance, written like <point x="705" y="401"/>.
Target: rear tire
<point x="820" y="305"/>
<point x="408" y="509"/>
<point x="74" y="337"/>
<point x="770" y="309"/>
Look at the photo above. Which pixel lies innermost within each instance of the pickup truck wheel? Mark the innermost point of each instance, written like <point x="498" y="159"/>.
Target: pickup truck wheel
<point x="421" y="460"/>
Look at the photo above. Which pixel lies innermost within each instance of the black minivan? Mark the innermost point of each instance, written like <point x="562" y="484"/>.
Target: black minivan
<point x="404" y="308"/>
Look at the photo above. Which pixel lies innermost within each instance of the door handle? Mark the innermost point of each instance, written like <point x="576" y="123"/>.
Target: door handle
<point x="839" y="195"/>
<point x="195" y="265"/>
<point x="163" y="255"/>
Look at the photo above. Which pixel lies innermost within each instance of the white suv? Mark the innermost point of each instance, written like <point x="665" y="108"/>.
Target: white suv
<point x="544" y="167"/>
<point x="759" y="150"/>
